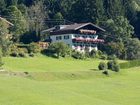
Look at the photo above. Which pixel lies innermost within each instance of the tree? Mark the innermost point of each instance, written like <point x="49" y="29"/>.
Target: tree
<point x="2" y="5"/>
<point x="118" y="31"/>
<point x="87" y="10"/>
<point x="19" y="21"/>
<point x="4" y="37"/>
<point x="37" y="14"/>
<point x="132" y="49"/>
<point x="113" y="8"/>
<point x="60" y="48"/>
<point x="58" y="16"/>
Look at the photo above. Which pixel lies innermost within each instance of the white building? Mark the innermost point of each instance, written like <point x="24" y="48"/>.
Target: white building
<point x="79" y="37"/>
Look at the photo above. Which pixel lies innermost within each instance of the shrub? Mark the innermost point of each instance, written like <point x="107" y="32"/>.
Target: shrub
<point x="113" y="65"/>
<point x="102" y="66"/>
<point x="31" y="55"/>
<point x="100" y="52"/>
<point x="116" y="68"/>
<point x="78" y="55"/>
<point x="105" y="72"/>
<point x="14" y="54"/>
<point x="93" y="53"/>
<point x="60" y="49"/>
<point x="133" y="63"/>
<point x="103" y="57"/>
<point x="111" y="57"/>
<point x="22" y="54"/>
<point x="34" y="48"/>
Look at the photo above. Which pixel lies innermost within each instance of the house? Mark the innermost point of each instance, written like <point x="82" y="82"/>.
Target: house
<point x="79" y="37"/>
<point x="9" y="23"/>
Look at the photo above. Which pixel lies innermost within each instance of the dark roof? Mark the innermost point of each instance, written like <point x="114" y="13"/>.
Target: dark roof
<point x="78" y="26"/>
<point x="71" y="27"/>
<point x="6" y="21"/>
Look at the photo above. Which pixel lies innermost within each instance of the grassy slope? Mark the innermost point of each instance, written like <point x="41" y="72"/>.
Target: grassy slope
<point x="122" y="89"/>
<point x="45" y="64"/>
<point x="83" y="88"/>
<point x="42" y="64"/>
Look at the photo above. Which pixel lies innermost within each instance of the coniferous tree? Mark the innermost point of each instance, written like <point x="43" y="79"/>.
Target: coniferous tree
<point x="19" y="21"/>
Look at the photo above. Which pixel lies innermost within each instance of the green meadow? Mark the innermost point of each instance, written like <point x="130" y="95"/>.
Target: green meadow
<point x="66" y="82"/>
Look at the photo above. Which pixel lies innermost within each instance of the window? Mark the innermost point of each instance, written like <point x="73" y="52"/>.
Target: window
<point x="58" y="37"/>
<point x="66" y="37"/>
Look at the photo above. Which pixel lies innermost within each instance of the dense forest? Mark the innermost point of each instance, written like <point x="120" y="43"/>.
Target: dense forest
<point x="120" y="19"/>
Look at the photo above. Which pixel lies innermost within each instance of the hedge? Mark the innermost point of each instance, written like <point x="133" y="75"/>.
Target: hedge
<point x="130" y="64"/>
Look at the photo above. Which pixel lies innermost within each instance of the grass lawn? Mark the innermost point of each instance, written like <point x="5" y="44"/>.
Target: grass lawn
<point x="45" y="64"/>
<point x="122" y="89"/>
<point x="66" y="82"/>
<point x="48" y="64"/>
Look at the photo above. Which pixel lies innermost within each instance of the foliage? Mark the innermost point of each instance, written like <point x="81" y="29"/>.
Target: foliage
<point x="34" y="48"/>
<point x="78" y="55"/>
<point x="104" y="57"/>
<point x="60" y="49"/>
<point x="130" y="64"/>
<point x="119" y="30"/>
<point x="102" y="66"/>
<point x="4" y="37"/>
<point x="36" y="18"/>
<point x="58" y="16"/>
<point x="113" y="65"/>
<point x="111" y="57"/>
<point x="19" y="21"/>
<point x="118" y="17"/>
<point x="1" y="62"/>
<point x="132" y="49"/>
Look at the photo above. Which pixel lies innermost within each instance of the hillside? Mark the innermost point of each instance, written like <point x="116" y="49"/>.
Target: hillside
<point x="122" y="89"/>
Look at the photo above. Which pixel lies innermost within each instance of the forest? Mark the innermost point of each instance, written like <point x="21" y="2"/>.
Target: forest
<point x="120" y="19"/>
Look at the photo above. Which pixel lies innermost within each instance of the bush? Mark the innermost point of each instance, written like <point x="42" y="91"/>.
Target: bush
<point x="93" y="53"/>
<point x="113" y="65"/>
<point x="21" y="54"/>
<point x="102" y="66"/>
<point x="105" y="72"/>
<point x="60" y="49"/>
<point x="100" y="52"/>
<point x="34" y="48"/>
<point x="31" y="55"/>
<point x="103" y="57"/>
<point x="133" y="63"/>
<point x="17" y="52"/>
<point x="111" y="57"/>
<point x="116" y="68"/>
<point x="78" y="55"/>
<point x="14" y="54"/>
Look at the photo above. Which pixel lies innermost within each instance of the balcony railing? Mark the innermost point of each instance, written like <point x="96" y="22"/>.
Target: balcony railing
<point x="88" y="40"/>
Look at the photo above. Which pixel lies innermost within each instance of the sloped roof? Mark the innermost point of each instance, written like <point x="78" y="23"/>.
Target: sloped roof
<point x="78" y="26"/>
<point x="6" y="21"/>
<point x="72" y="27"/>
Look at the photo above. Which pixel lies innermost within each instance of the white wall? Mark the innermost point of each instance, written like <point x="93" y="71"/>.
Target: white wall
<point x="67" y="41"/>
<point x="70" y="43"/>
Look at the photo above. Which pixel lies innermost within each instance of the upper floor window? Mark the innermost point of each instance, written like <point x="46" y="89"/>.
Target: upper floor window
<point x="58" y="37"/>
<point x="66" y="37"/>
